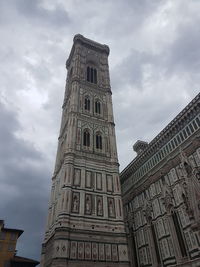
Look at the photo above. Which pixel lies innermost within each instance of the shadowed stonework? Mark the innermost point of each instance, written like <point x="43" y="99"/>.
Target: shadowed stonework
<point x="161" y="195"/>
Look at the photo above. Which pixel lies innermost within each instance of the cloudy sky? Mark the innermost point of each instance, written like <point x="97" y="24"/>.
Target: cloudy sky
<point x="155" y="73"/>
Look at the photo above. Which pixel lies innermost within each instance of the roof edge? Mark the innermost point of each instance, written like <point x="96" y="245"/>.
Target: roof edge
<point x="78" y="38"/>
<point x="196" y="100"/>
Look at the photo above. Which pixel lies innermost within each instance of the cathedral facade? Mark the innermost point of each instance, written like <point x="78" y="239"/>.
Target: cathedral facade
<point x="161" y="195"/>
<point x="85" y="225"/>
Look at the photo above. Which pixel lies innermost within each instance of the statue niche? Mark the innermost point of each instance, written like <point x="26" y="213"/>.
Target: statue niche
<point x="147" y="210"/>
<point x="88" y="204"/>
<point x="167" y="197"/>
<point x="75" y="203"/>
<point x="99" y="206"/>
<point x="191" y="189"/>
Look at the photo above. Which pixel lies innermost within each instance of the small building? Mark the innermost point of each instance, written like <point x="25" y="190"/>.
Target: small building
<point x="161" y="195"/>
<point x="8" y="242"/>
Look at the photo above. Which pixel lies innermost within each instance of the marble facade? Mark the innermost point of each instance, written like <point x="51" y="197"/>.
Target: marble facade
<point x="85" y="223"/>
<point x="161" y="195"/>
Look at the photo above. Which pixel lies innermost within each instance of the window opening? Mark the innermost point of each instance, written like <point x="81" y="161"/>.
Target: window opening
<point x="95" y="76"/>
<point x="88" y="74"/>
<point x="87" y="104"/>
<point x="155" y="243"/>
<point x="91" y="75"/>
<point x="97" y="107"/>
<point x="86" y="138"/>
<point x="179" y="234"/>
<point x="98" y="141"/>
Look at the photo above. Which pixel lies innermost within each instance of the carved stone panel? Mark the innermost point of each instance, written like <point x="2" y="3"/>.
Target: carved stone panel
<point x="73" y="250"/>
<point x="101" y="252"/>
<point x="109" y="181"/>
<point x="94" y="251"/>
<point x="88" y="204"/>
<point x="99" y="206"/>
<point x="111" y="207"/>
<point x="108" y="252"/>
<point x="88" y="179"/>
<point x="80" y="250"/>
<point x="88" y="251"/>
<point x="114" y="252"/>
<point x="123" y="252"/>
<point x="75" y="202"/>
<point x="77" y="177"/>
<point x="99" y="181"/>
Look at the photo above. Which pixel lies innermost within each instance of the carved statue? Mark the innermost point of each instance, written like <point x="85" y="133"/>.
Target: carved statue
<point x="111" y="208"/>
<point x="148" y="210"/>
<point x="167" y="197"/>
<point x="75" y="204"/>
<point x="99" y="207"/>
<point x="88" y="205"/>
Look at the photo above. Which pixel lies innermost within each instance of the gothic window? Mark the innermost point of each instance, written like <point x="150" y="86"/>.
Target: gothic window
<point x="98" y="141"/>
<point x="97" y="107"/>
<point x="155" y="243"/>
<point x="86" y="138"/>
<point x="91" y="75"/>
<point x="179" y="234"/>
<point x="87" y="103"/>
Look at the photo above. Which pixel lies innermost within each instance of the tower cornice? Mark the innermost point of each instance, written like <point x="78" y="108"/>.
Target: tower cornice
<point x="78" y="38"/>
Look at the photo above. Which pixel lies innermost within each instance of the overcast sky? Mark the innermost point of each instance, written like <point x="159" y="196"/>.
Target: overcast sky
<point x="155" y="72"/>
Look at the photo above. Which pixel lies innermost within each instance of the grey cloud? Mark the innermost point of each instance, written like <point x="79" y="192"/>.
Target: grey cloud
<point x="184" y="52"/>
<point x="130" y="70"/>
<point x="33" y="9"/>
<point x="25" y="185"/>
<point x="35" y="13"/>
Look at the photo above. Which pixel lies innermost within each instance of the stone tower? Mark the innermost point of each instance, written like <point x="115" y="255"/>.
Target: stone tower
<point x="85" y="220"/>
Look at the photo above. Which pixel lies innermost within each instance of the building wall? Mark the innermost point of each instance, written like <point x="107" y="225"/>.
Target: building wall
<point x="8" y="241"/>
<point x="161" y="196"/>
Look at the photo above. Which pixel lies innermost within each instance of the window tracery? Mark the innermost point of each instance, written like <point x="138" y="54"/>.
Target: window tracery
<point x="87" y="103"/>
<point x="97" y="107"/>
<point x="92" y="75"/>
<point x="98" y="141"/>
<point x="86" y="138"/>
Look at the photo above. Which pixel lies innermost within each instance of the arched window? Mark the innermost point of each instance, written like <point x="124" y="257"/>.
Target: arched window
<point x="91" y="75"/>
<point x="87" y="103"/>
<point x="98" y="141"/>
<point x="86" y="138"/>
<point x="97" y="107"/>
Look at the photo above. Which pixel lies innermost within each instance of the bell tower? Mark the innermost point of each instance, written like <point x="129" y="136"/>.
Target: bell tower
<point x="85" y="223"/>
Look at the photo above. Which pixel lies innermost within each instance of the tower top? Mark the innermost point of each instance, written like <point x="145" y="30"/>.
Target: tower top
<point x="80" y="39"/>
